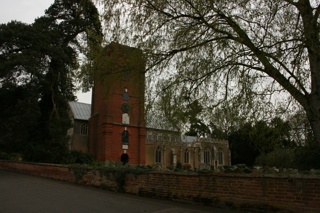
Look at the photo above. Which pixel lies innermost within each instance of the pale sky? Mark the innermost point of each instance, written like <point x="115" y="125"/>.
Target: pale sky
<point x="27" y="11"/>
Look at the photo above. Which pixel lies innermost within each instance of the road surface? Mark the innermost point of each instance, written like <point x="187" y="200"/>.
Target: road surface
<point x="24" y="193"/>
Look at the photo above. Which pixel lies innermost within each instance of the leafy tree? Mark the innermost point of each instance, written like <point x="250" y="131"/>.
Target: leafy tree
<point x="307" y="158"/>
<point x="18" y="117"/>
<point x="301" y="132"/>
<point x="244" y="50"/>
<point x="280" y="158"/>
<point x="254" y="139"/>
<point x="197" y="126"/>
<point x="38" y="67"/>
<point x="243" y="150"/>
<point x="19" y="76"/>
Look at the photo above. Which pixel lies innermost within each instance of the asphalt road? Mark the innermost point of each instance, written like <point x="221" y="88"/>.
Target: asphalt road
<point x="23" y="193"/>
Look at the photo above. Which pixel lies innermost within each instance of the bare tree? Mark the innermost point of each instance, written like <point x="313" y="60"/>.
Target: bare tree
<point x="220" y="47"/>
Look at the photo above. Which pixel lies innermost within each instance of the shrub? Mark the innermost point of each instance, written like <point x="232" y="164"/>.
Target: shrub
<point x="303" y="158"/>
<point x="76" y="157"/>
<point x="281" y="158"/>
<point x="11" y="156"/>
<point x="44" y="153"/>
<point x="307" y="158"/>
<point x="4" y="156"/>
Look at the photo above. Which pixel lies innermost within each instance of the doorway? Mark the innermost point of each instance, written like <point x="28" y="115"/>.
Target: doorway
<point x="124" y="158"/>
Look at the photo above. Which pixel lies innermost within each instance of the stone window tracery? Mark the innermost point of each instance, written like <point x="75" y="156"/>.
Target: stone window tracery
<point x="158" y="154"/>
<point x="83" y="129"/>
<point x="187" y="156"/>
<point x="220" y="157"/>
<point x="206" y="156"/>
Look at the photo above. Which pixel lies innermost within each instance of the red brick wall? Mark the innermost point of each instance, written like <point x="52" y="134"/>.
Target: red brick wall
<point x="298" y="193"/>
<point x="54" y="171"/>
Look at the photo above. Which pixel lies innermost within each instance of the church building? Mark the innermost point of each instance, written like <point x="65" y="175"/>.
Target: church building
<point x="113" y="127"/>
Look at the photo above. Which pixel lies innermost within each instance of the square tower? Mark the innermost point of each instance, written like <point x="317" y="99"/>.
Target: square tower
<point x="116" y="127"/>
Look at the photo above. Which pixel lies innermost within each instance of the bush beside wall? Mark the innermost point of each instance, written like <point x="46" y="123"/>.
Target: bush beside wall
<point x="296" y="193"/>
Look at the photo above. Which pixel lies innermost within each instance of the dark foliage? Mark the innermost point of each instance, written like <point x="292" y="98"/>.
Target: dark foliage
<point x="307" y="158"/>
<point x="76" y="157"/>
<point x="243" y="150"/>
<point x="37" y="70"/>
<point x="280" y="158"/>
<point x="301" y="158"/>
<point x="252" y="140"/>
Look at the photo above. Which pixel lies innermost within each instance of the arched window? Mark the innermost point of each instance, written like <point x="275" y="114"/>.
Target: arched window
<point x="207" y="156"/>
<point x="125" y="96"/>
<point x="187" y="156"/>
<point x="125" y="137"/>
<point x="220" y="157"/>
<point x="158" y="155"/>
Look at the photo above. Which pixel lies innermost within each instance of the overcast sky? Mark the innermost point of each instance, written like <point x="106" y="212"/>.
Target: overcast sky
<point x="22" y="10"/>
<point x="27" y="11"/>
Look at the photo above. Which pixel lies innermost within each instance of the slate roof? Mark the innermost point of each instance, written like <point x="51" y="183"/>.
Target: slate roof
<point x="80" y="111"/>
<point x="188" y="139"/>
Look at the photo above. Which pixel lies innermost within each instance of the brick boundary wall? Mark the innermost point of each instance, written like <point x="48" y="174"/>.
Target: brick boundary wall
<point x="292" y="193"/>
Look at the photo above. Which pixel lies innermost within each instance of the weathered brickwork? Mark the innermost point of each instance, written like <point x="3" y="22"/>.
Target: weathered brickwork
<point x="125" y="66"/>
<point x="54" y="171"/>
<point x="296" y="193"/>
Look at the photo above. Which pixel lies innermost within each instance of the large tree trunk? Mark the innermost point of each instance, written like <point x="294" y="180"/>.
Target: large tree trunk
<point x="311" y="37"/>
<point x="313" y="114"/>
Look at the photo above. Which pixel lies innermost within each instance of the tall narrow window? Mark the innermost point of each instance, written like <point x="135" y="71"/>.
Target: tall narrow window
<point x="83" y="129"/>
<point x="125" y="137"/>
<point x="125" y="95"/>
<point x="158" y="155"/>
<point x="207" y="156"/>
<point x="187" y="156"/>
<point x="220" y="157"/>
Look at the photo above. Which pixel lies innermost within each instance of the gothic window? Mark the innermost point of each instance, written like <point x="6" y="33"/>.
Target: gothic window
<point x="158" y="155"/>
<point x="125" y="96"/>
<point x="207" y="156"/>
<point x="83" y="129"/>
<point x="220" y="157"/>
<point x="125" y="137"/>
<point x="187" y="156"/>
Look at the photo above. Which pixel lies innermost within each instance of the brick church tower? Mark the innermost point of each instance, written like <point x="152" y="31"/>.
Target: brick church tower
<point x="116" y="127"/>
